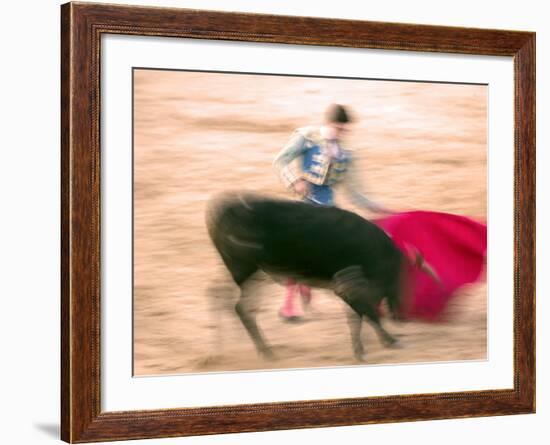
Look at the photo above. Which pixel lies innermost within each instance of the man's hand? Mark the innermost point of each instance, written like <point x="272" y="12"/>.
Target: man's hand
<point x="301" y="187"/>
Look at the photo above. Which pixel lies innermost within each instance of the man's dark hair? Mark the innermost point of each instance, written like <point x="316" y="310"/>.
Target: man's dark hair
<point x="337" y="114"/>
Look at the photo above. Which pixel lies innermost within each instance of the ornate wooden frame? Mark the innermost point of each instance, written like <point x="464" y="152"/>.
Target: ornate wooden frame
<point x="82" y="25"/>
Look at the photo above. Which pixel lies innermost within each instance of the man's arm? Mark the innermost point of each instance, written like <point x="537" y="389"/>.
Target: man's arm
<point x="295" y="148"/>
<point x="354" y="188"/>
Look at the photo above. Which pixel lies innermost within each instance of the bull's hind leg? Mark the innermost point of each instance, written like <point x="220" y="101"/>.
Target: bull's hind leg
<point x="363" y="297"/>
<point x="248" y="319"/>
<point x="247" y="316"/>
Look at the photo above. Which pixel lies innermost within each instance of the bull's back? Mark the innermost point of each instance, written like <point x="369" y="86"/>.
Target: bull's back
<point x="299" y="239"/>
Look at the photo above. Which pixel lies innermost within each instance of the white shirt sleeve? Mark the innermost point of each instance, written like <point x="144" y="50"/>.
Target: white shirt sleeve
<point x="355" y="190"/>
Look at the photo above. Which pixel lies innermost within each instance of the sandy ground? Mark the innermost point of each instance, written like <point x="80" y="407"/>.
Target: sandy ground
<point x="417" y="145"/>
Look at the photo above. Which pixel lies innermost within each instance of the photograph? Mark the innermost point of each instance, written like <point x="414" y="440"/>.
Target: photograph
<point x="297" y="222"/>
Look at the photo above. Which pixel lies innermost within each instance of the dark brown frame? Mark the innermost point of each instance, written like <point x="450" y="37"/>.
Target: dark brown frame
<point x="82" y="25"/>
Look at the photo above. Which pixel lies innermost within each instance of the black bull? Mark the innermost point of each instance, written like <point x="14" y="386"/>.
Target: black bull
<point x="320" y="246"/>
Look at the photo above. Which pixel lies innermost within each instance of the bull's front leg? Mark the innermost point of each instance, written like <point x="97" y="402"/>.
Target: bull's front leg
<point x="350" y="285"/>
<point x="363" y="297"/>
<point x="385" y="337"/>
<point x="355" y="322"/>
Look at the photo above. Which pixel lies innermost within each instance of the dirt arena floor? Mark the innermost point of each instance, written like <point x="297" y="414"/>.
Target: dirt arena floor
<point x="417" y="145"/>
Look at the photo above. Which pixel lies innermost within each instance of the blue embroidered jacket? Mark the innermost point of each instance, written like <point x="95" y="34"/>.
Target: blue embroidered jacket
<point x="321" y="170"/>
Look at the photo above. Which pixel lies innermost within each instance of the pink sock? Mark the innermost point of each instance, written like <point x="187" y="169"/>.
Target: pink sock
<point x="289" y="307"/>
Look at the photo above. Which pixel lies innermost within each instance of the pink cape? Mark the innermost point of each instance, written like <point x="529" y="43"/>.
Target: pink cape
<point x="454" y="246"/>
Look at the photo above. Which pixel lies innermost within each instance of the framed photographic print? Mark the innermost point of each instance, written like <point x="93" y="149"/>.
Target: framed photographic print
<point x="274" y="222"/>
